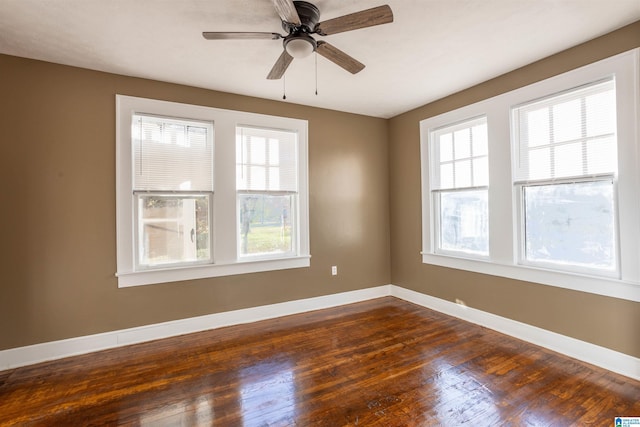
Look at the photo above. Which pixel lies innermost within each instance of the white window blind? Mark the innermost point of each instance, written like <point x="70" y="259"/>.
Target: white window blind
<point x="460" y="155"/>
<point x="172" y="154"/>
<point x="571" y="224"/>
<point x="572" y="134"/>
<point x="266" y="160"/>
<point x="171" y="228"/>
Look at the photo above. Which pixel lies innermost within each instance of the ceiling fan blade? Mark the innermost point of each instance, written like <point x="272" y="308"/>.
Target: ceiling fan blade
<point x="280" y="66"/>
<point x="217" y="35"/>
<point x="364" y="18"/>
<point x="338" y="57"/>
<point x="287" y="11"/>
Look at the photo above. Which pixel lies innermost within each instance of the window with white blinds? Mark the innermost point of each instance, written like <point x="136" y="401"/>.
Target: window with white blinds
<point x="173" y="189"/>
<point x="267" y="186"/>
<point x="565" y="173"/>
<point x="266" y="160"/>
<point x="170" y="224"/>
<point x="171" y="154"/>
<point x="571" y="134"/>
<point x="560" y="189"/>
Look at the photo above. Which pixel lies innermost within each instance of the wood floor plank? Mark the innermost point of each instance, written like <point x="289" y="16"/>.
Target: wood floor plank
<point x="383" y="362"/>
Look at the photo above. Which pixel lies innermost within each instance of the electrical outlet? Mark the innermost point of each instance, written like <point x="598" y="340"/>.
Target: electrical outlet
<point x="334" y="270"/>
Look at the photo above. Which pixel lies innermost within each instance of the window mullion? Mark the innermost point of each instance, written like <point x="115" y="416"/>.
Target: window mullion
<point x="583" y="131"/>
<point x="471" y="157"/>
<point x="552" y="145"/>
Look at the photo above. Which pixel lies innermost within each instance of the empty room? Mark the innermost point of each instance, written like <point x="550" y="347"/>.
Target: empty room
<point x="324" y="213"/>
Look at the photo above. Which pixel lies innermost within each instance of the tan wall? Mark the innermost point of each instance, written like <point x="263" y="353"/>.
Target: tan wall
<point x="57" y="127"/>
<point x="57" y="213"/>
<point x="608" y="322"/>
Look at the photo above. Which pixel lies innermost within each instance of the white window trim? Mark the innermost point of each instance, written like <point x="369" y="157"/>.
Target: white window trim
<point x="436" y="192"/>
<point x="503" y="200"/>
<point x="224" y="223"/>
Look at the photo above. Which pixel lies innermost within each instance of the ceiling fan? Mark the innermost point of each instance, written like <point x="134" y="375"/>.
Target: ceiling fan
<point x="300" y="19"/>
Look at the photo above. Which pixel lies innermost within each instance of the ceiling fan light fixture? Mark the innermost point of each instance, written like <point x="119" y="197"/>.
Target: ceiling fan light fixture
<point x="300" y="20"/>
<point x="300" y="46"/>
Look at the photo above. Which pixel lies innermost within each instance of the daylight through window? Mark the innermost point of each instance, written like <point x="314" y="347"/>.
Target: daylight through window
<point x="460" y="187"/>
<point x="540" y="184"/>
<point x="200" y="196"/>
<point x="565" y="175"/>
<point x="266" y="180"/>
<point x="173" y="188"/>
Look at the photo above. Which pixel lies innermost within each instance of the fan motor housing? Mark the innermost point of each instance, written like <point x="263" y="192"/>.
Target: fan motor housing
<point x="309" y="17"/>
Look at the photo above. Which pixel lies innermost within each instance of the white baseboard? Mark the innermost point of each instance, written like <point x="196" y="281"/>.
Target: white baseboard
<point x="581" y="350"/>
<point x="606" y="358"/>
<point x="28" y="355"/>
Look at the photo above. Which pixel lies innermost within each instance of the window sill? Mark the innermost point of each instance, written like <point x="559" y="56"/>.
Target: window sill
<point x="150" y="277"/>
<point x="595" y="285"/>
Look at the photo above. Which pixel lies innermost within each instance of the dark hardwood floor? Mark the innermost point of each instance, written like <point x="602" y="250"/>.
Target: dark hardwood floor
<point x="383" y="362"/>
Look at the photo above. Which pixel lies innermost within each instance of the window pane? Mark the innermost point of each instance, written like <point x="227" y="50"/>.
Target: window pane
<point x="568" y="124"/>
<point x="462" y="144"/>
<point x="464" y="221"/>
<point x="446" y="176"/>
<point x="601" y="114"/>
<point x="571" y="224"/>
<point x="266" y="223"/>
<point x="274" y="152"/>
<point x="540" y="163"/>
<point x="266" y="160"/>
<point x="537" y="127"/>
<point x="601" y="154"/>
<point x="463" y="173"/>
<point x="480" y="140"/>
<point x="459" y="149"/>
<point x="480" y="171"/>
<point x="173" y="229"/>
<point x="257" y="151"/>
<point x="171" y="154"/>
<point x="568" y="160"/>
<point x="257" y="177"/>
<point x="274" y="178"/>
<point x="567" y="121"/>
<point x="446" y="147"/>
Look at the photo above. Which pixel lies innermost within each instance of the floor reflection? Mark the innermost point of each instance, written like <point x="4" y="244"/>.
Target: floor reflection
<point x="267" y="394"/>
<point x="197" y="411"/>
<point x="393" y="364"/>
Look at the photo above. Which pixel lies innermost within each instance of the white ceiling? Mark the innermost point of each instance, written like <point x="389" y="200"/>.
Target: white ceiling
<point x="432" y="49"/>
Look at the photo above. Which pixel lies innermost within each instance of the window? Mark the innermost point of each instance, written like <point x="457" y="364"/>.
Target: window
<point x="459" y="187"/>
<point x="199" y="196"/>
<point x="173" y="190"/>
<point x="267" y="191"/>
<point x="563" y="163"/>
<point x="565" y="175"/>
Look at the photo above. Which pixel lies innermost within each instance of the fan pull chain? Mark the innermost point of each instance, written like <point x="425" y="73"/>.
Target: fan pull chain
<point x="316" y="58"/>
<point x="284" y="87"/>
